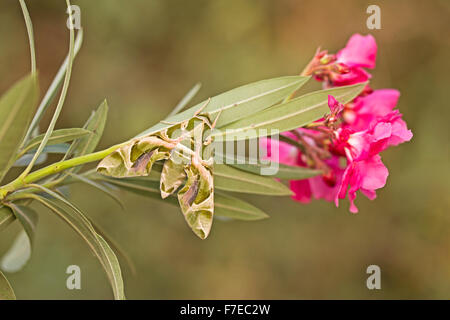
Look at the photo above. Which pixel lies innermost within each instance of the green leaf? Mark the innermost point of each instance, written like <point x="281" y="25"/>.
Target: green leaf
<point x="231" y="179"/>
<point x="6" y="291"/>
<point x="6" y="217"/>
<point x="26" y="158"/>
<point x="227" y="178"/>
<point x="81" y="224"/>
<point x="238" y="103"/>
<point x="139" y="186"/>
<point x="95" y="124"/>
<point x="53" y="89"/>
<point x="116" y="248"/>
<point x="29" y="26"/>
<point x="57" y="137"/>
<point x="57" y="148"/>
<point x="16" y="109"/>
<point x="112" y="264"/>
<point x="283" y="172"/>
<point x="287" y="116"/>
<point x="20" y="252"/>
<point x="18" y="255"/>
<point x="231" y="207"/>
<point x="27" y="217"/>
<point x="98" y="186"/>
<point x="268" y="168"/>
<point x="224" y="205"/>
<point x="59" y="105"/>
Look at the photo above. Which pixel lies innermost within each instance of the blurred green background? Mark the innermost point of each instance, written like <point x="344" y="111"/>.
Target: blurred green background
<point x="144" y="55"/>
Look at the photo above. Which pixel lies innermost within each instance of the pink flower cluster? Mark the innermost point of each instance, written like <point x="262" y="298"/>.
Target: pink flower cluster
<point x="346" y="144"/>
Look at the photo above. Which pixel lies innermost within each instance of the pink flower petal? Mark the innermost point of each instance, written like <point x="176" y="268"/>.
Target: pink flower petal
<point x="301" y="189"/>
<point x="354" y="76"/>
<point x="360" y="51"/>
<point x="379" y="103"/>
<point x="400" y="133"/>
<point x="373" y="172"/>
<point x="332" y="102"/>
<point x="278" y="151"/>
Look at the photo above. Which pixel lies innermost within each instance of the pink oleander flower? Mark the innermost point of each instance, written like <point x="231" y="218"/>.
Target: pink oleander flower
<point x="347" y="66"/>
<point x="365" y="175"/>
<point x="359" y="53"/>
<point x="365" y="171"/>
<point x="324" y="186"/>
<point x="375" y="112"/>
<point x="346" y="144"/>
<point x="368" y="109"/>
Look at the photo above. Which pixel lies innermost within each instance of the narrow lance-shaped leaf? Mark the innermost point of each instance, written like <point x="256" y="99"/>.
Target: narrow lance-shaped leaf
<point x="6" y="217"/>
<point x="115" y="248"/>
<point x="30" y="32"/>
<point x="224" y="205"/>
<point x="61" y="99"/>
<point x="56" y="148"/>
<point x="113" y="267"/>
<point x="239" y="102"/>
<point x="27" y="217"/>
<point x="138" y="186"/>
<point x="18" y="254"/>
<point x="267" y="168"/>
<point x="57" y="137"/>
<point x="231" y="179"/>
<point x="52" y="90"/>
<point x="6" y="291"/>
<point x="282" y="172"/>
<point x="84" y="228"/>
<point x="232" y="207"/>
<point x="25" y="160"/>
<point x="16" y="109"/>
<point x="95" y="124"/>
<point x="270" y="169"/>
<point x="105" y="254"/>
<point x="286" y="116"/>
<point x="227" y="178"/>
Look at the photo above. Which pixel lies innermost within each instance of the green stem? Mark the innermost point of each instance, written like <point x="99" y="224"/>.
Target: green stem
<point x="54" y="168"/>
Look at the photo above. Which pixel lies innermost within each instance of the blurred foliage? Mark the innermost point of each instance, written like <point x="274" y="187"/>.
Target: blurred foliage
<point x="144" y="55"/>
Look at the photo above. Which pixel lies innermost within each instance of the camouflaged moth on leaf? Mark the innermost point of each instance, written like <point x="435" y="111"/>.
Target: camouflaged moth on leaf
<point x="136" y="157"/>
<point x="196" y="200"/>
<point x="186" y="151"/>
<point x="172" y="177"/>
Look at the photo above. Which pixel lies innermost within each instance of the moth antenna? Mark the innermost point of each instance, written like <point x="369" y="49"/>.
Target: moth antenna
<point x="202" y="107"/>
<point x="215" y="120"/>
